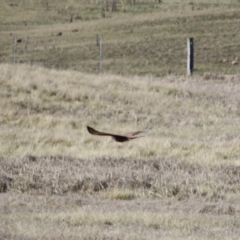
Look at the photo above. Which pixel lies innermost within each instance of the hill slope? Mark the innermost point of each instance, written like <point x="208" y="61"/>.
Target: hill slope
<point x="145" y="39"/>
<point x="45" y="112"/>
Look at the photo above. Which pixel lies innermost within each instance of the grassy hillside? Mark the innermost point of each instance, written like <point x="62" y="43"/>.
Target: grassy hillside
<point x="45" y="112"/>
<point x="180" y="181"/>
<point x="147" y="38"/>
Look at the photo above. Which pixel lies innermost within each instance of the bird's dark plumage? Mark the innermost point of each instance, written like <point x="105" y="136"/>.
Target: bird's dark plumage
<point x="118" y="138"/>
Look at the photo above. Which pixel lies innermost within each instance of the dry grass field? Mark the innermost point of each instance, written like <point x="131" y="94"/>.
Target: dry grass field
<point x="58" y="181"/>
<point x="180" y="181"/>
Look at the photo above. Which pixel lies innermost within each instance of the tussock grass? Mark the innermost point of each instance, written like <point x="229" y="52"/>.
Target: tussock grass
<point x="120" y="193"/>
<point x="121" y="178"/>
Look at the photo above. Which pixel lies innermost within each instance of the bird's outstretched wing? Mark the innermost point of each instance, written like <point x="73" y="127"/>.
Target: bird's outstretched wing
<point x="116" y="137"/>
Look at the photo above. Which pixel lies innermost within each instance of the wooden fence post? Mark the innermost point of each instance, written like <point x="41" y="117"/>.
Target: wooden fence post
<point x="190" y="56"/>
<point x="100" y="55"/>
<point x="14" y="49"/>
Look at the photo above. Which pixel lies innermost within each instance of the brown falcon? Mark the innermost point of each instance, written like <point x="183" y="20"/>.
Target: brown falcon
<point x="117" y="137"/>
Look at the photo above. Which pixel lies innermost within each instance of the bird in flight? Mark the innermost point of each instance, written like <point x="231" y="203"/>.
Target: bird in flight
<point x="118" y="138"/>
